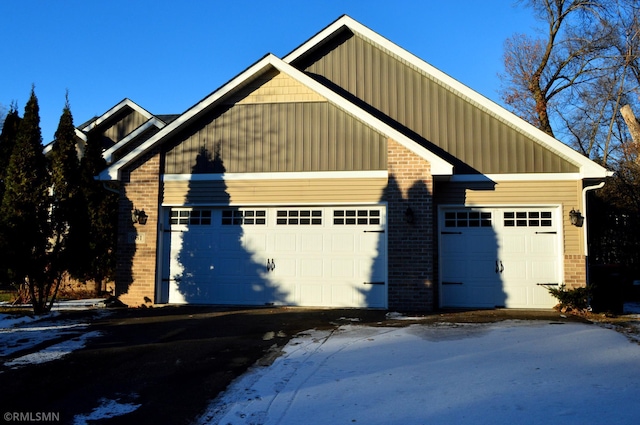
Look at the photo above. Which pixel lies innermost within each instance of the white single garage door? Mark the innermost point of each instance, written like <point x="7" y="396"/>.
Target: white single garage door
<point x="304" y="256"/>
<point x="499" y="257"/>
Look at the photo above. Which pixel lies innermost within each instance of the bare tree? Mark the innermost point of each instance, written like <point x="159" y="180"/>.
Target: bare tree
<point x="539" y="70"/>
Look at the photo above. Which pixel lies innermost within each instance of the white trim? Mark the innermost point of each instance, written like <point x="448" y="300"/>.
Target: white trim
<point x="268" y="204"/>
<point x="438" y="165"/>
<point x="79" y="134"/>
<point x="516" y="177"/>
<point x="107" y="155"/>
<point x="125" y="102"/>
<point x="589" y="169"/>
<point x="277" y="176"/>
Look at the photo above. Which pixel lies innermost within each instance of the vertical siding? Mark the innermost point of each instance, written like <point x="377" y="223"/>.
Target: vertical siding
<point x="123" y="125"/>
<point x="279" y="137"/>
<point x="442" y="117"/>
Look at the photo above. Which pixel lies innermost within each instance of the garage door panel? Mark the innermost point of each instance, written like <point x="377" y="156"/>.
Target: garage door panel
<point x="311" y="268"/>
<point x="543" y="244"/>
<point x="342" y="268"/>
<point x="285" y="242"/>
<point x="343" y="243"/>
<point x="254" y="243"/>
<point x="543" y="271"/>
<point x="514" y="244"/>
<point x="312" y="293"/>
<point x="312" y="242"/>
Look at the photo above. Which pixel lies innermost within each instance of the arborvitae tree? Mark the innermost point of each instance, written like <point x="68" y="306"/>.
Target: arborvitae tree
<point x="99" y="256"/>
<point x="7" y="141"/>
<point x="25" y="209"/>
<point x="67" y="207"/>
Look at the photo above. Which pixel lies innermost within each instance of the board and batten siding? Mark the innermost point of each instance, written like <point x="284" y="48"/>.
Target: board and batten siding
<point x="123" y="124"/>
<point x="277" y="137"/>
<point x="282" y="191"/>
<point x="445" y="118"/>
<point x="566" y="193"/>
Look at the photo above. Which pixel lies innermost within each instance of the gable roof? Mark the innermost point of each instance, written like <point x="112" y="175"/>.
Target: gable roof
<point x="125" y="103"/>
<point x="586" y="167"/>
<point x="438" y="165"/>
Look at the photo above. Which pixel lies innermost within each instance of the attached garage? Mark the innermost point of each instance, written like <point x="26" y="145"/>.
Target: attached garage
<point x="329" y="256"/>
<point x="350" y="173"/>
<point x="499" y="257"/>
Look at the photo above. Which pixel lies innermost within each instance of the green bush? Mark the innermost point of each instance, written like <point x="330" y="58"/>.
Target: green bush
<point x="575" y="299"/>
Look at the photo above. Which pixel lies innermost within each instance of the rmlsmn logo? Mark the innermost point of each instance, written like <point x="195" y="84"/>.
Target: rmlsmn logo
<point x="32" y="416"/>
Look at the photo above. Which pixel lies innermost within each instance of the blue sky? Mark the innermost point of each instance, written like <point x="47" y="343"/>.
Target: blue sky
<point x="167" y="55"/>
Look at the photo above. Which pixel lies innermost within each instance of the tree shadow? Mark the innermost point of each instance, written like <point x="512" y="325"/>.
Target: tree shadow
<point x="208" y="257"/>
<point x="471" y="272"/>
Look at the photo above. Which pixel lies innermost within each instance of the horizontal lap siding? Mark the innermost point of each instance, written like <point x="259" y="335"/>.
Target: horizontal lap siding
<point x="441" y="116"/>
<point x="565" y="193"/>
<point x="274" y="191"/>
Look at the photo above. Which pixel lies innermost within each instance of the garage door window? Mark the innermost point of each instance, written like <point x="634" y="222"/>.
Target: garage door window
<point x="244" y="217"/>
<point x="357" y="217"/>
<point x="191" y="217"/>
<point x="299" y="217"/>
<point x="467" y="219"/>
<point x="527" y="219"/>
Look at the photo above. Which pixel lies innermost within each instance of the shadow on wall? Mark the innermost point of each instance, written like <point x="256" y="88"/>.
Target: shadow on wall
<point x="208" y="260"/>
<point x="127" y="241"/>
<point x="471" y="272"/>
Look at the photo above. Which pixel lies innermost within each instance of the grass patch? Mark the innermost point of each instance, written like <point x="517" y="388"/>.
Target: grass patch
<point x="7" y="296"/>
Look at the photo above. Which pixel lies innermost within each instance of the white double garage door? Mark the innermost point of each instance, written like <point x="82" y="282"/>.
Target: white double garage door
<point x="305" y="256"/>
<point x="499" y="257"/>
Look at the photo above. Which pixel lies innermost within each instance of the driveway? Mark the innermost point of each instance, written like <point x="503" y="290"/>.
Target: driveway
<point x="169" y="363"/>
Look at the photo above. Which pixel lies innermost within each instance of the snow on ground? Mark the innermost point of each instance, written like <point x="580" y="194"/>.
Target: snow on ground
<point x="501" y="373"/>
<point x="51" y="335"/>
<point x="108" y="409"/>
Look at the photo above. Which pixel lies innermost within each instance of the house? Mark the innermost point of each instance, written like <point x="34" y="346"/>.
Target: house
<point x="122" y="128"/>
<point x="350" y="173"/>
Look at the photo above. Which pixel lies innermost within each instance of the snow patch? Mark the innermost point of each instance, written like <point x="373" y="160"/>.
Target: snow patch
<point x="106" y="410"/>
<point x="494" y="373"/>
<point x="53" y="352"/>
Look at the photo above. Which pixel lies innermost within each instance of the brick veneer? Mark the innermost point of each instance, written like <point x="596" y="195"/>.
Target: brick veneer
<point x="137" y="244"/>
<point x="410" y="246"/>
<point x="575" y="271"/>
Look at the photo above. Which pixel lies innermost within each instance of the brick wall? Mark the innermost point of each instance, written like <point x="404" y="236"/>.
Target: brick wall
<point x="136" y="267"/>
<point x="575" y="271"/>
<point x="410" y="245"/>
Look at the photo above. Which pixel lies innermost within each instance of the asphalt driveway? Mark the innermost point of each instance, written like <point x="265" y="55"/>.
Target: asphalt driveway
<point x="173" y="361"/>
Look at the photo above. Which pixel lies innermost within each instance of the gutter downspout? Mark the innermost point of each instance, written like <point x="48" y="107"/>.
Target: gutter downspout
<point x="585" y="227"/>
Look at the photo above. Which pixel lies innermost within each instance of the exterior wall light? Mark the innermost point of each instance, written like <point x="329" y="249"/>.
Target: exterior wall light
<point x="139" y="216"/>
<point x="576" y="218"/>
<point x="409" y="217"/>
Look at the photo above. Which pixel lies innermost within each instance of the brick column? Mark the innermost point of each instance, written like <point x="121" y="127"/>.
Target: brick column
<point x="410" y="245"/>
<point x="137" y="243"/>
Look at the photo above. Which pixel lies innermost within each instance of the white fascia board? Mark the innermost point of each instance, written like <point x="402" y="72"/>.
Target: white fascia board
<point x="588" y="168"/>
<point x="107" y="155"/>
<point x="277" y="176"/>
<point x="116" y="108"/>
